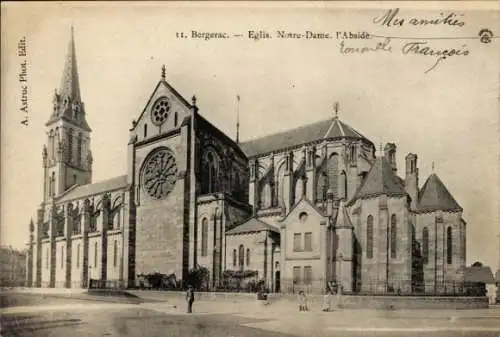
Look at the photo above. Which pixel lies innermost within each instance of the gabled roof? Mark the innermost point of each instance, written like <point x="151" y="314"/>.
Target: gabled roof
<point x="330" y="128"/>
<point x="434" y="196"/>
<point x="380" y="180"/>
<point x="252" y="225"/>
<point x="92" y="189"/>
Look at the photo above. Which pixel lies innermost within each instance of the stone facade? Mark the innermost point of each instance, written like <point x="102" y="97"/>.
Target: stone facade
<point x="299" y="208"/>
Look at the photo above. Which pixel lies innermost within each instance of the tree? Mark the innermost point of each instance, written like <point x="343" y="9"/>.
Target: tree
<point x="198" y="277"/>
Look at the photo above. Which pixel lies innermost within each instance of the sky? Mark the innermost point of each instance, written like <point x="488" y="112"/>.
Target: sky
<point x="447" y="115"/>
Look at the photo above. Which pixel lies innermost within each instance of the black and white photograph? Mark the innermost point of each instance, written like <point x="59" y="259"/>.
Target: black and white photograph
<point x="247" y="169"/>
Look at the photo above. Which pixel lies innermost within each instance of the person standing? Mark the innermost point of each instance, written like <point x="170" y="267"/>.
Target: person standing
<point x="190" y="299"/>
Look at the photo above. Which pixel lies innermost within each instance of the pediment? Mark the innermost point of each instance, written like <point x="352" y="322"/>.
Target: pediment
<point x="164" y="111"/>
<point x="303" y="206"/>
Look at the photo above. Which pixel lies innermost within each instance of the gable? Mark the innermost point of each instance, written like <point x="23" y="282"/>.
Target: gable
<point x="165" y="111"/>
<point x="303" y="206"/>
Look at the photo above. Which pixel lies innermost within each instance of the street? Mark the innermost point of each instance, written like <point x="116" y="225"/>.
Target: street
<point x="28" y="315"/>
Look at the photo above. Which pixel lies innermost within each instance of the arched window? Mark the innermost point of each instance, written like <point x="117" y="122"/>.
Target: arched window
<point x="204" y="237"/>
<point x="394" y="236"/>
<point x="52" y="184"/>
<point x="117" y="218"/>
<point x="209" y="173"/>
<point x="343" y="185"/>
<point x="369" y="237"/>
<point x="145" y="130"/>
<point x="234" y="257"/>
<point x="248" y="257"/>
<point x="449" y="246"/>
<point x="176" y="119"/>
<point x="322" y="187"/>
<point x="115" y="252"/>
<point x="241" y="256"/>
<point x="51" y="144"/>
<point x="353" y="154"/>
<point x="332" y="168"/>
<point x="79" y="149"/>
<point x="299" y="189"/>
<point x="425" y="245"/>
<point x="266" y="196"/>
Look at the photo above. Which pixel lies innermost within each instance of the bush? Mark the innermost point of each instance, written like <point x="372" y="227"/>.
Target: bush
<point x="158" y="281"/>
<point x="198" y="278"/>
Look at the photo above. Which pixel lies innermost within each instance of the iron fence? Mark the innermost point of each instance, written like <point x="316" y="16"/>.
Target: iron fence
<point x="384" y="288"/>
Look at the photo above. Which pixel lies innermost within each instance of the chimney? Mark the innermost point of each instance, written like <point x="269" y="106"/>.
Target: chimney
<point x="411" y="179"/>
<point x="390" y="155"/>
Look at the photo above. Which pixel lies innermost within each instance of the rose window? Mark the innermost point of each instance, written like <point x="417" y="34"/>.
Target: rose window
<point x="160" y="111"/>
<point x="159" y="174"/>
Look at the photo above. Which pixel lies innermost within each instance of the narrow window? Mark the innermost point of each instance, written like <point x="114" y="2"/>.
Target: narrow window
<point x="449" y="246"/>
<point x="145" y="130"/>
<point x="425" y="245"/>
<point x="307" y="275"/>
<point x="62" y="256"/>
<point x="175" y="119"/>
<point x="308" y="242"/>
<point x="204" y="237"/>
<point x="70" y="145"/>
<point x="296" y="275"/>
<point x="78" y="256"/>
<point x="234" y="257"/>
<point x="74" y="179"/>
<point x="369" y="237"/>
<point x="297" y="237"/>
<point x="115" y="252"/>
<point x="241" y="256"/>
<point x="79" y="150"/>
<point x="95" y="255"/>
<point x="393" y="236"/>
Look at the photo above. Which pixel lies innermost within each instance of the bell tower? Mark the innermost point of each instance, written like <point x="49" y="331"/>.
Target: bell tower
<point x="67" y="159"/>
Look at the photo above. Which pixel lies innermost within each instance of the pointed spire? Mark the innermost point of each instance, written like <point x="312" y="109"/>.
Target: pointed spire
<point x="433" y="167"/>
<point x="336" y="109"/>
<point x="70" y="86"/>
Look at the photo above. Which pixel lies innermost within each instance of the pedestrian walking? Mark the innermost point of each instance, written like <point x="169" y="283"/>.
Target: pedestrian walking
<point x="327" y="299"/>
<point x="302" y="299"/>
<point x="190" y="299"/>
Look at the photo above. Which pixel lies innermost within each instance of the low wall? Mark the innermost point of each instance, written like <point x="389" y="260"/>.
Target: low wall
<point x="316" y="301"/>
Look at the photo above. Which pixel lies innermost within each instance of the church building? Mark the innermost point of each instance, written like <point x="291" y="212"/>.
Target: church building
<point x="299" y="208"/>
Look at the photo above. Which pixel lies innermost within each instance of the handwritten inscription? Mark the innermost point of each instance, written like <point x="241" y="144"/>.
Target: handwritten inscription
<point x="23" y="79"/>
<point x="422" y="48"/>
<point x="391" y="19"/>
<point x="374" y="47"/>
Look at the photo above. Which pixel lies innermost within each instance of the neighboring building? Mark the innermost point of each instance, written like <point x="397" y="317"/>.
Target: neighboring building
<point x="300" y="207"/>
<point x="13" y="267"/>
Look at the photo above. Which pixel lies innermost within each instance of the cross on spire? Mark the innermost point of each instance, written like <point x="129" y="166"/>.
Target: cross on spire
<point x="163" y="70"/>
<point x="336" y="108"/>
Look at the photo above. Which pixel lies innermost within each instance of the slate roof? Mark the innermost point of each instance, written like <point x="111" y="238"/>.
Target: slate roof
<point x="435" y="196"/>
<point x="251" y="226"/>
<point x="95" y="188"/>
<point x="330" y="128"/>
<point x="380" y="180"/>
